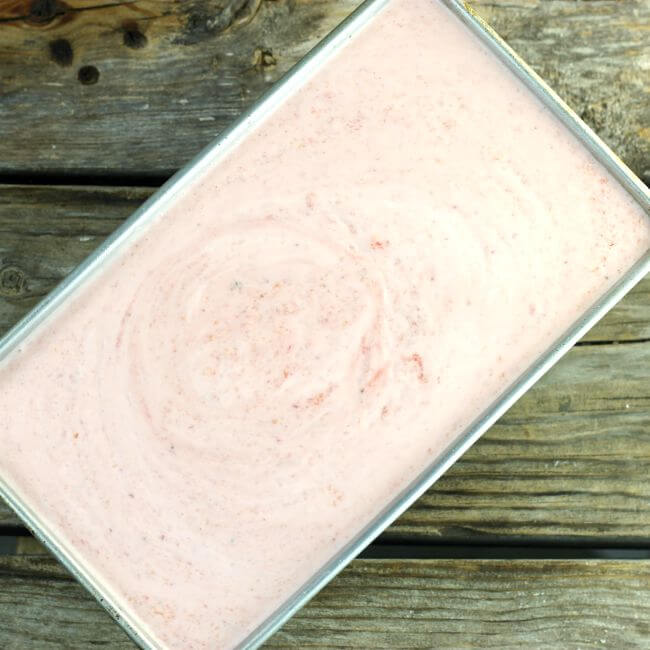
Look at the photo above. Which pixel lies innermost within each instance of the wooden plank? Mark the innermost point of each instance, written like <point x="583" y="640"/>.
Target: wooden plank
<point x="478" y="604"/>
<point x="569" y="463"/>
<point x="41" y="607"/>
<point x="45" y="231"/>
<point x="152" y="107"/>
<point x="139" y="87"/>
<point x="382" y="604"/>
<point x="595" y="56"/>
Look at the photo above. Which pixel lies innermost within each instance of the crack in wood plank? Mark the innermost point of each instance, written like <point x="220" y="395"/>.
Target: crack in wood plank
<point x="61" y="9"/>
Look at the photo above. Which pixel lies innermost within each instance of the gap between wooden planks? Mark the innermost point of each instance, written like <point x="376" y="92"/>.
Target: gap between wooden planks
<point x="567" y="465"/>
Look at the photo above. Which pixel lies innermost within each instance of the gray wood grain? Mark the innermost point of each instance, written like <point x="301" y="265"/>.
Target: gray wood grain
<point x="46" y="231"/>
<point x="153" y="107"/>
<point x="595" y="55"/>
<point x="569" y="463"/>
<point x="42" y="608"/>
<point x="381" y="604"/>
<point x="478" y="604"/>
<point x="170" y="76"/>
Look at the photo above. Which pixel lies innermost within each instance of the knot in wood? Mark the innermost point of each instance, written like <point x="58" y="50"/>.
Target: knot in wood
<point x="263" y="58"/>
<point x="44" y="11"/>
<point x="12" y="281"/>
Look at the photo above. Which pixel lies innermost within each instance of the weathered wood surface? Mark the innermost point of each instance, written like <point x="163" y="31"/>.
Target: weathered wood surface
<point x="130" y="87"/>
<point x="478" y="604"/>
<point x="42" y="608"/>
<point x="381" y="604"/>
<point x="568" y="463"/>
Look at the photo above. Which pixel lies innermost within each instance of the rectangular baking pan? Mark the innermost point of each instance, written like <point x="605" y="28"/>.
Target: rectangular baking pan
<point x="208" y="157"/>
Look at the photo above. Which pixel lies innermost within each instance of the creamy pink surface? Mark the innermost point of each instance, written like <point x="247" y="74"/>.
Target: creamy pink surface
<point x="307" y="328"/>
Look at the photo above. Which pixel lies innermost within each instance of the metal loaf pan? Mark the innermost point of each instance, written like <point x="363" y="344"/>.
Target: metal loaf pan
<point x="211" y="155"/>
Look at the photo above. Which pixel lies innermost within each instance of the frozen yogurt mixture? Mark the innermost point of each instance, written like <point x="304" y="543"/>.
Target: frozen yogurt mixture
<point x="308" y="327"/>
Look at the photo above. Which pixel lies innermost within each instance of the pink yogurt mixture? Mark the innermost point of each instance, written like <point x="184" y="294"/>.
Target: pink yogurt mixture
<point x="308" y="327"/>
